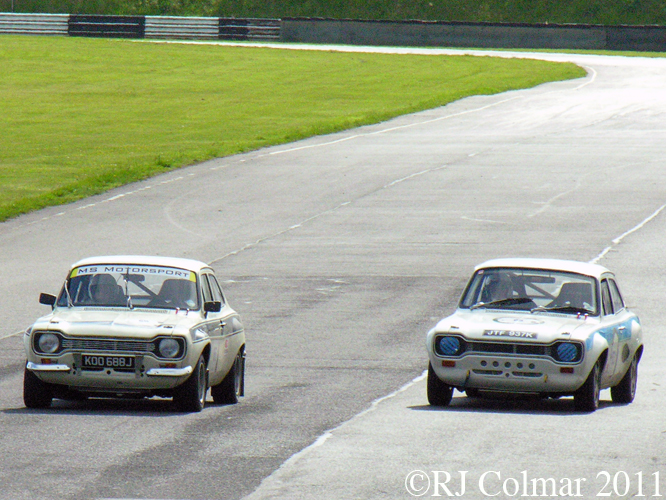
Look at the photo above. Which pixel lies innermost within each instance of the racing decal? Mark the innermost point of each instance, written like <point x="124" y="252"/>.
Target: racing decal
<point x="519" y="321"/>
<point x="145" y="270"/>
<point x="510" y="333"/>
<point x="80" y="271"/>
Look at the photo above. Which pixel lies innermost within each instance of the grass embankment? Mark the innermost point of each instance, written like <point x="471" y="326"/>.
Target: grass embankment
<point x="80" y="116"/>
<point x="528" y="11"/>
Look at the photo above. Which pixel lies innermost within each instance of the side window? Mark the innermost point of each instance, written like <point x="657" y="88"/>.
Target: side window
<point x="616" y="297"/>
<point x="215" y="288"/>
<point x="606" y="298"/>
<point x="205" y="288"/>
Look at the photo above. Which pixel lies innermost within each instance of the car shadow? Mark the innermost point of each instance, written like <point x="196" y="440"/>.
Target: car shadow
<point x="516" y="404"/>
<point x="147" y="407"/>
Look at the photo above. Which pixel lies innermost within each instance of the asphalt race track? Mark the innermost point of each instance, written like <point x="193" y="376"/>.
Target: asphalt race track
<point x="340" y="252"/>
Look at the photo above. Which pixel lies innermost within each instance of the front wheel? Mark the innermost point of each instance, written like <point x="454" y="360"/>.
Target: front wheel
<point x="191" y="396"/>
<point x="36" y="394"/>
<point x="439" y="393"/>
<point x="625" y="391"/>
<point x="232" y="386"/>
<point x="587" y="397"/>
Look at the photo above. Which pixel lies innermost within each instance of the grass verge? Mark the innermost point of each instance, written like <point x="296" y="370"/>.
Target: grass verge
<point x="82" y="115"/>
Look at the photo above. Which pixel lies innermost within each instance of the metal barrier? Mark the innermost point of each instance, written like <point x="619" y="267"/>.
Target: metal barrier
<point x="186" y="28"/>
<point x="166" y="27"/>
<point x="34" y="24"/>
<point x="249" y="29"/>
<point x="107" y="26"/>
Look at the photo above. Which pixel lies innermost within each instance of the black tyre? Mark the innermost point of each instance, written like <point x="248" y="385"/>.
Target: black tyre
<point x="36" y="394"/>
<point x="587" y="397"/>
<point x="439" y="393"/>
<point x="191" y="396"/>
<point x="232" y="386"/>
<point x="625" y="391"/>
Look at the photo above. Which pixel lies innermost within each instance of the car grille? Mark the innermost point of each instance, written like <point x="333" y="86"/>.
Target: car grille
<point x="107" y="345"/>
<point x="561" y="351"/>
<point x="508" y="348"/>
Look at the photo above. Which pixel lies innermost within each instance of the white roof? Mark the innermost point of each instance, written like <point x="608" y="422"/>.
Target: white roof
<point x="187" y="264"/>
<point x="571" y="266"/>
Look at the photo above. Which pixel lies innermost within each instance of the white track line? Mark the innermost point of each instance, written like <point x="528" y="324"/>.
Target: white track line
<point x="326" y="435"/>
<point x="619" y="239"/>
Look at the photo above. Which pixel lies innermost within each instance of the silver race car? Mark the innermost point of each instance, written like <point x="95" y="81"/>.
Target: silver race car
<point x="129" y="326"/>
<point x="548" y="327"/>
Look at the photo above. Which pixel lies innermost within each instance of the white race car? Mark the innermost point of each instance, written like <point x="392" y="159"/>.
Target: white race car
<point x="548" y="327"/>
<point x="129" y="326"/>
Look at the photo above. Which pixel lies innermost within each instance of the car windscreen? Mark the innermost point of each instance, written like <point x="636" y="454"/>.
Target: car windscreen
<point x="532" y="289"/>
<point x="130" y="286"/>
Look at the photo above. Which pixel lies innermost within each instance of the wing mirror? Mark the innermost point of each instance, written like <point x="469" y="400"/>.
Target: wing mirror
<point x="214" y="306"/>
<point x="47" y="299"/>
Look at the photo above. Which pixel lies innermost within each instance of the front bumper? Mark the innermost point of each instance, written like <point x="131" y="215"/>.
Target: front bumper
<point x="34" y="367"/>
<point x="521" y="374"/>
<point x="153" y="372"/>
<point x="149" y="374"/>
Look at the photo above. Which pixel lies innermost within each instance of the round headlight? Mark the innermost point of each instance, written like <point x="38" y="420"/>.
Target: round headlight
<point x="449" y="346"/>
<point x="566" y="352"/>
<point x="169" y="348"/>
<point x="48" y="343"/>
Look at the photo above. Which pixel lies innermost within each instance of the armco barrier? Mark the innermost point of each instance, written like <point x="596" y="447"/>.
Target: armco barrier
<point x="185" y="28"/>
<point x="107" y="26"/>
<point x="34" y="24"/>
<point x="163" y="27"/>
<point x="249" y="29"/>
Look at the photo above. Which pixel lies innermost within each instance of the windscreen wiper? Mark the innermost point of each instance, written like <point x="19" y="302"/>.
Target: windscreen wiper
<point x="503" y="302"/>
<point x="563" y="309"/>
<point x="69" y="297"/>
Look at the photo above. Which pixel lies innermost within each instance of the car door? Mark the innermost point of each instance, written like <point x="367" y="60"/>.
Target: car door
<point x="214" y="324"/>
<point x="222" y="325"/>
<point x="231" y="325"/>
<point x="624" y="319"/>
<point x="611" y="324"/>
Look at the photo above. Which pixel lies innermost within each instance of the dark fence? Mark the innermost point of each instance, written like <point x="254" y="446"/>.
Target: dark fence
<point x="351" y="32"/>
<point x="641" y="38"/>
<point x="481" y="35"/>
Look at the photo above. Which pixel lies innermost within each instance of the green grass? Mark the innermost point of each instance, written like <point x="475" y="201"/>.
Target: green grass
<point x="80" y="116"/>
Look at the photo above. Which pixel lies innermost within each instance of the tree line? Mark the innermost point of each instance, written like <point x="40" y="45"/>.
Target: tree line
<point x="607" y="12"/>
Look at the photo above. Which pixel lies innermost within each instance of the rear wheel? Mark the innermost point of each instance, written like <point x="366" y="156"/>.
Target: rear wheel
<point x="232" y="386"/>
<point x="191" y="396"/>
<point x="587" y="397"/>
<point x="439" y="393"/>
<point x="36" y="394"/>
<point x="625" y="391"/>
